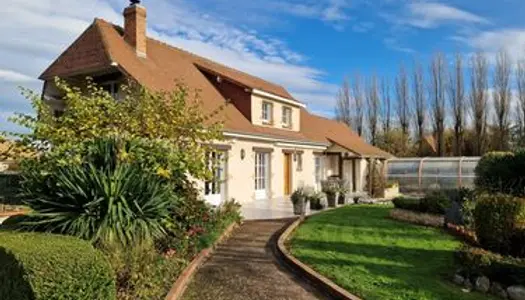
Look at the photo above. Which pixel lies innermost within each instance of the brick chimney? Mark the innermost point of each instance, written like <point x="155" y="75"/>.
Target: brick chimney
<point x="135" y="27"/>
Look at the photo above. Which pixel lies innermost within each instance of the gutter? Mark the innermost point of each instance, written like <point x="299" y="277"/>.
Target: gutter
<point x="269" y="138"/>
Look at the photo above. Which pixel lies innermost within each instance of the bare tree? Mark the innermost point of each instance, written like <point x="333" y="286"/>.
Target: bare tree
<point x="418" y="98"/>
<point x="456" y="90"/>
<point x="478" y="100"/>
<point x="402" y="93"/>
<point x="343" y="108"/>
<point x="386" y="113"/>
<point x="502" y="97"/>
<point x="437" y="98"/>
<point x="520" y="78"/>
<point x="357" y="94"/>
<point x="373" y="108"/>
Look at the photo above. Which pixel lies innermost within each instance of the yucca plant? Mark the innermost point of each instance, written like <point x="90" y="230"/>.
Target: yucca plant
<point x="120" y="204"/>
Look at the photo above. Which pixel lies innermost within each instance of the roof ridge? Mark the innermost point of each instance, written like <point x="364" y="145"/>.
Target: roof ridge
<point x="97" y="24"/>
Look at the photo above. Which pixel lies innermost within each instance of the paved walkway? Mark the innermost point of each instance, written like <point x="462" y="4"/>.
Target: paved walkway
<point x="244" y="267"/>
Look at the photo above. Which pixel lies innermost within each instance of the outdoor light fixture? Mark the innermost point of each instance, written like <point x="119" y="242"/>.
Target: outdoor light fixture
<point x="243" y="154"/>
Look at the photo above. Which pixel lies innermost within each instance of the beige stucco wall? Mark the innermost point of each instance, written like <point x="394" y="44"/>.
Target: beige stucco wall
<point x="240" y="173"/>
<point x="257" y="102"/>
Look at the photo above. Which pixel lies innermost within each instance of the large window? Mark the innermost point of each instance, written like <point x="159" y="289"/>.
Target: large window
<point x="262" y="166"/>
<point x="318" y="170"/>
<point x="214" y="188"/>
<point x="286" y="117"/>
<point x="267" y="112"/>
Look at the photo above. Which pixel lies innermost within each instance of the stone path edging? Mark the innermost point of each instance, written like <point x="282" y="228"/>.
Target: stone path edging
<point x="322" y="283"/>
<point x="185" y="277"/>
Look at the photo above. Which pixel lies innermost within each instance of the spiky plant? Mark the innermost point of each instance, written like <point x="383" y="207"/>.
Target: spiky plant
<point x="105" y="205"/>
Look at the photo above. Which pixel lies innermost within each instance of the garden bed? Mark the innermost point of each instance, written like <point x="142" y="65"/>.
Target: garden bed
<point x="375" y="257"/>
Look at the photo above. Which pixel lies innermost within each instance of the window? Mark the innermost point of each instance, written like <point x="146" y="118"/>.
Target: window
<point x="299" y="158"/>
<point x="216" y="163"/>
<point x="57" y="113"/>
<point x="262" y="165"/>
<point x="318" y="169"/>
<point x="286" y="117"/>
<point x="267" y="112"/>
<point x="111" y="87"/>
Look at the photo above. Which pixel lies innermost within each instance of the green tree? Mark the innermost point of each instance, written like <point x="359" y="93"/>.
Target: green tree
<point x="169" y="118"/>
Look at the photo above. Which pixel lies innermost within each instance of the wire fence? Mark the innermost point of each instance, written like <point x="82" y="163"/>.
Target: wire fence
<point x="422" y="174"/>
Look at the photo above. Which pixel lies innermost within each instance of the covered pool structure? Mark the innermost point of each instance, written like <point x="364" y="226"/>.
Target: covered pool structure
<point x="421" y="174"/>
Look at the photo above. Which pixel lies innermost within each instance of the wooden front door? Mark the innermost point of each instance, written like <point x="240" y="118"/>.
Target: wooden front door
<point x="287" y="173"/>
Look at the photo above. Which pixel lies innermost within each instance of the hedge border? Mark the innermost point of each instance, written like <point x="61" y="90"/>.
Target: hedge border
<point x="180" y="285"/>
<point x="322" y="283"/>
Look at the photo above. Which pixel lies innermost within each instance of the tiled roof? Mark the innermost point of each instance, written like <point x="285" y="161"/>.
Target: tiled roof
<point x="102" y="46"/>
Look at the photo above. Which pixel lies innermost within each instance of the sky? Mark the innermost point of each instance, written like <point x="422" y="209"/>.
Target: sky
<point x="308" y="46"/>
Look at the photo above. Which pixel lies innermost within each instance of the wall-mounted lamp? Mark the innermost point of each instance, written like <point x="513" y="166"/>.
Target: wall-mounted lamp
<point x="243" y="154"/>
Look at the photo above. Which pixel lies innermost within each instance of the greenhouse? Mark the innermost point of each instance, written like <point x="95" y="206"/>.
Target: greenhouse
<point x="420" y="174"/>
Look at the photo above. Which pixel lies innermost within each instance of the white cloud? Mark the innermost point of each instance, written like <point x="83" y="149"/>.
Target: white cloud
<point x="34" y="33"/>
<point x="13" y="76"/>
<point x="432" y="14"/>
<point x="511" y="40"/>
<point x="429" y="15"/>
<point x="393" y="43"/>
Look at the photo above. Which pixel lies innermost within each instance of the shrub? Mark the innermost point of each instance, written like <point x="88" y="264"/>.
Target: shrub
<point x="143" y="273"/>
<point x="196" y="226"/>
<point x="501" y="172"/>
<point x="44" y="266"/>
<point x="503" y="269"/>
<point x="499" y="221"/>
<point x="435" y="202"/>
<point x="120" y="205"/>
<point x="103" y="199"/>
<point x="407" y="203"/>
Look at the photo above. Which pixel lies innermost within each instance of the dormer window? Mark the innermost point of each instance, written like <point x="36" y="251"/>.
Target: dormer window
<point x="112" y="88"/>
<point x="267" y="112"/>
<point x="286" y="117"/>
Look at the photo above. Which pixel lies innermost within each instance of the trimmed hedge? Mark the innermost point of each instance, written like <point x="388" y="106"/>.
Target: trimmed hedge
<point x="433" y="203"/>
<point x="503" y="269"/>
<point x="44" y="266"/>
<point x="407" y="203"/>
<point x="499" y="222"/>
<point x="501" y="172"/>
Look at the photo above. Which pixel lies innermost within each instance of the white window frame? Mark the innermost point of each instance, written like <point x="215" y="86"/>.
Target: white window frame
<point x="267" y="112"/>
<point x="286" y="118"/>
<point x="262" y="174"/>
<point x="215" y="189"/>
<point x="318" y="170"/>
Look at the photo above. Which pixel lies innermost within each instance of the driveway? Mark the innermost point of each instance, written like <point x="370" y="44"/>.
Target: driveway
<point x="244" y="267"/>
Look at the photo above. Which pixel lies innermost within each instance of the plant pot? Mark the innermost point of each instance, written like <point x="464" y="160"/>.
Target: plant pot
<point x="315" y="204"/>
<point x="299" y="208"/>
<point x="341" y="199"/>
<point x="331" y="199"/>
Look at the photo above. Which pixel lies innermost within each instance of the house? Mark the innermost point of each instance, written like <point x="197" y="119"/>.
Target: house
<point x="273" y="144"/>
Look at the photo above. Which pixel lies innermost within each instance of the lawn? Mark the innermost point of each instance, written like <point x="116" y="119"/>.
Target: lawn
<point x="374" y="257"/>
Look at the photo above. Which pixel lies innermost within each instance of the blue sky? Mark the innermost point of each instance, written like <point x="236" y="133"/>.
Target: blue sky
<point x="308" y="46"/>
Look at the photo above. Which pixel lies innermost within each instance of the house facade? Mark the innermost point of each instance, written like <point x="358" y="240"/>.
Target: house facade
<point x="273" y="144"/>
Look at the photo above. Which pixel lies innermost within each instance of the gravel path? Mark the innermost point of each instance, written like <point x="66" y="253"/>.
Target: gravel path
<point x="244" y="267"/>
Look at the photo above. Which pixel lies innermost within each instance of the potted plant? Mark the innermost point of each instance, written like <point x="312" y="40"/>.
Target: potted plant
<point x="330" y="187"/>
<point x="316" y="200"/>
<point x="299" y="199"/>
<point x="343" y="189"/>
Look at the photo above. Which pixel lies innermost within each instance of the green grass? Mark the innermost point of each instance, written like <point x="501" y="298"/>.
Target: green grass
<point x="374" y="257"/>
